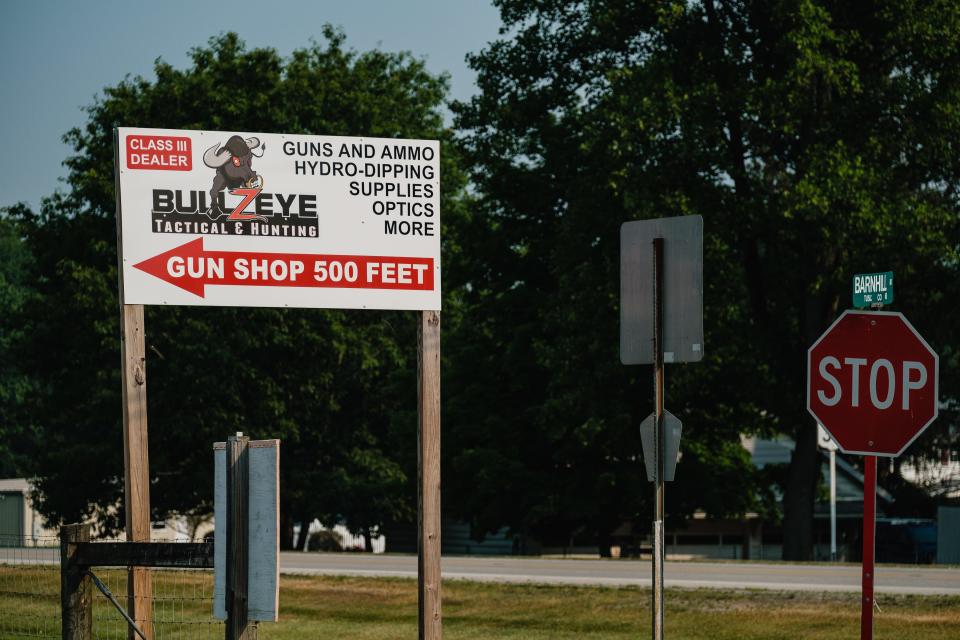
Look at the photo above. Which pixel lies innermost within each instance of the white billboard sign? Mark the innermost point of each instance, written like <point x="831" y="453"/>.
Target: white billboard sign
<point x="247" y="219"/>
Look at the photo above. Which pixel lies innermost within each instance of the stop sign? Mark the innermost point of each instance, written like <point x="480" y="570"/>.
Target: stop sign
<point x="872" y="382"/>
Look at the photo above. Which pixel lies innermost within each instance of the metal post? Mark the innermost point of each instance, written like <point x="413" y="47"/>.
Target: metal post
<point x="238" y="626"/>
<point x="833" y="505"/>
<point x="658" y="408"/>
<point x="869" y="531"/>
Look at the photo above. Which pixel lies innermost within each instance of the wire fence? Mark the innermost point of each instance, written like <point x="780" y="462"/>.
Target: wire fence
<point x="29" y="587"/>
<point x="30" y="596"/>
<point x="182" y="605"/>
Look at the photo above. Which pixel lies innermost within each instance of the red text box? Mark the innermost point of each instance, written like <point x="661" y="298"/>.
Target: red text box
<point x="159" y="153"/>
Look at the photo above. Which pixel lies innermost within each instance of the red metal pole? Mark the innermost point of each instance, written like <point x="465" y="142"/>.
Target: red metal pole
<point x="869" y="531"/>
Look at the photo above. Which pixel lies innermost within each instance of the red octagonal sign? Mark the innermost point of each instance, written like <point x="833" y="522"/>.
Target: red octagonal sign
<point x="872" y="382"/>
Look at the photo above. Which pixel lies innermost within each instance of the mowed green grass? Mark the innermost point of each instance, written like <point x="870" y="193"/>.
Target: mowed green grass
<point x="386" y="608"/>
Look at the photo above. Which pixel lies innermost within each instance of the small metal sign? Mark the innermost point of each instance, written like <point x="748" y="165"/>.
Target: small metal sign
<point x="824" y="440"/>
<point x="682" y="289"/>
<point x="263" y="530"/>
<point x="673" y="429"/>
<point x="872" y="289"/>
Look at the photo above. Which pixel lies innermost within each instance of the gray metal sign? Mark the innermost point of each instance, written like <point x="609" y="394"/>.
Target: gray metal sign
<point x="263" y="533"/>
<point x="673" y="429"/>
<point x="682" y="289"/>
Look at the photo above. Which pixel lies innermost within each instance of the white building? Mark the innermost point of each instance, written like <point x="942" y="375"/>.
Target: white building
<point x="20" y="524"/>
<point x="939" y="478"/>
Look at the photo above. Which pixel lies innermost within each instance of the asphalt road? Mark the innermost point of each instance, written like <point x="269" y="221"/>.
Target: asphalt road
<point x="921" y="580"/>
<point x="721" y="575"/>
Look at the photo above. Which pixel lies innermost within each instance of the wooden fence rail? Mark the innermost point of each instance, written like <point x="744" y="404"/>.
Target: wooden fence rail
<point x="78" y="554"/>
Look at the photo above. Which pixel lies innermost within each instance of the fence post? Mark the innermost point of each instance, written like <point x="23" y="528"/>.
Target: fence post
<point x="76" y="595"/>
<point x="238" y="551"/>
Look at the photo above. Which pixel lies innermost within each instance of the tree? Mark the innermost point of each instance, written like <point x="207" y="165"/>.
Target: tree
<point x="814" y="137"/>
<point x="322" y="381"/>
<point x="16" y="291"/>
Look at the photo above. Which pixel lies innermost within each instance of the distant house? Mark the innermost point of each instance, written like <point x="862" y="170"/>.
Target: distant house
<point x="940" y="477"/>
<point x="753" y="538"/>
<point x="767" y="542"/>
<point x="457" y="538"/>
<point x="343" y="537"/>
<point x="749" y="537"/>
<point x="20" y="524"/>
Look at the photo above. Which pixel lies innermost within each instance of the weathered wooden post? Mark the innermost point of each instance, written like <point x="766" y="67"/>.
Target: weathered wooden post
<point x="76" y="595"/>
<point x="428" y="437"/>
<point x="136" y="457"/>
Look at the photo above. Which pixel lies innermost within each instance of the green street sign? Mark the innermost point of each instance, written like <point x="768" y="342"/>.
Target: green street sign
<point x="872" y="289"/>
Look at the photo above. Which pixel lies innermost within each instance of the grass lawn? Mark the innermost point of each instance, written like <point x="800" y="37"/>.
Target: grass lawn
<point x="386" y="608"/>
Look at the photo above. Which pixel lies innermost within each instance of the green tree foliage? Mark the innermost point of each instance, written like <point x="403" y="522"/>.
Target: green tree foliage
<point x="325" y="382"/>
<point x="15" y="385"/>
<point x="817" y="139"/>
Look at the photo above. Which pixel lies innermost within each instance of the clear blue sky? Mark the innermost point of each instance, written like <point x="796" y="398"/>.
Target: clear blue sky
<point x="57" y="56"/>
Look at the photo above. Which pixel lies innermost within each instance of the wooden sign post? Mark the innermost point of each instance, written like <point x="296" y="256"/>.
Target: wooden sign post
<point x="428" y="437"/>
<point x="136" y="462"/>
<point x="136" y="456"/>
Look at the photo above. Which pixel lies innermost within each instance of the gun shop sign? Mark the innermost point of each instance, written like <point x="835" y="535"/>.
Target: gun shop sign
<point x="241" y="219"/>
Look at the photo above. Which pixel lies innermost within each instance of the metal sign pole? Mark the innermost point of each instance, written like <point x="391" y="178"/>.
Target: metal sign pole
<point x="659" y="432"/>
<point x="675" y="325"/>
<point x="869" y="531"/>
<point x="833" y="505"/>
<point x="869" y="539"/>
<point x="238" y="625"/>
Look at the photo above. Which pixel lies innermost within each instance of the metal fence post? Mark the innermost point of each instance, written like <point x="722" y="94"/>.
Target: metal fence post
<point x="76" y="595"/>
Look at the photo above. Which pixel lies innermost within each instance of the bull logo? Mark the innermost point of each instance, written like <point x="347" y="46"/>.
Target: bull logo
<point x="234" y="165"/>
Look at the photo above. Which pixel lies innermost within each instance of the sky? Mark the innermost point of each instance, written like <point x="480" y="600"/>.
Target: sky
<point x="58" y="55"/>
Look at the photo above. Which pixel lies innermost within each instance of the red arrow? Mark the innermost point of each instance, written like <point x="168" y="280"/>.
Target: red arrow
<point x="192" y="269"/>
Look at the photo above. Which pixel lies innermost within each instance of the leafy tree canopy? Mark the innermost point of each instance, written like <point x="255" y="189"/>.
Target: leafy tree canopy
<point x="327" y="383"/>
<point x="817" y="139"/>
<point x="15" y="384"/>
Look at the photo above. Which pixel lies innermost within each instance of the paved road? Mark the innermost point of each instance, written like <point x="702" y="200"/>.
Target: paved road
<point x="726" y="575"/>
<point x="721" y="575"/>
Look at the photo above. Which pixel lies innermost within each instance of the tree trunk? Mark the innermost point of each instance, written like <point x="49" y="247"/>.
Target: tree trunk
<point x="604" y="542"/>
<point x="286" y="527"/>
<point x="800" y="495"/>
<point x="367" y="540"/>
<point x="304" y="532"/>
<point x="803" y="474"/>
